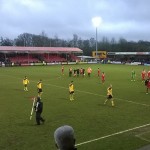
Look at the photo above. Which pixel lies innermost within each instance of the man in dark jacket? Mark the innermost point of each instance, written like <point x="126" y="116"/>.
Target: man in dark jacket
<point x="38" y="109"/>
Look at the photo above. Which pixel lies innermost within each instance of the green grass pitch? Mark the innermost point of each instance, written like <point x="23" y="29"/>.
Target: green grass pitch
<point x="88" y="116"/>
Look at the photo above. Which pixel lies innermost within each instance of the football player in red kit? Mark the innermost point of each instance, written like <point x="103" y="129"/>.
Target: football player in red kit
<point x="147" y="84"/>
<point x="62" y="70"/>
<point x="148" y="74"/>
<point x="143" y="75"/>
<point x="103" y="77"/>
<point x="98" y="72"/>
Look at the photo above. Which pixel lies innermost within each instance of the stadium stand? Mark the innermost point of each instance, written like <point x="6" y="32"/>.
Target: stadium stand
<point x="53" y="58"/>
<point x="23" y="59"/>
<point x="74" y="58"/>
<point x="27" y="55"/>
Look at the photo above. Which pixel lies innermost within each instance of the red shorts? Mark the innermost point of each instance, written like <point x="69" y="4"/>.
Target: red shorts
<point x="103" y="79"/>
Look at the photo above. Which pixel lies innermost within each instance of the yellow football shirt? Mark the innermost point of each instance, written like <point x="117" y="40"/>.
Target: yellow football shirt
<point x="109" y="91"/>
<point x="71" y="87"/>
<point x="39" y="85"/>
<point x="25" y="81"/>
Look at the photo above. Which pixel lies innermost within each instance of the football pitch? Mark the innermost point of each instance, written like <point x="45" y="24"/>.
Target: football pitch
<point x="97" y="126"/>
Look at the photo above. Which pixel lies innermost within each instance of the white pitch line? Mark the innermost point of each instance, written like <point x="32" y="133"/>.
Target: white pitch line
<point x="133" y="102"/>
<point x="140" y="136"/>
<point x="142" y="133"/>
<point x="110" y="135"/>
<point x="143" y="139"/>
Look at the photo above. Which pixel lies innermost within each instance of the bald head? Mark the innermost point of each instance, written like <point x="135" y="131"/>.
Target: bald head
<point x="64" y="138"/>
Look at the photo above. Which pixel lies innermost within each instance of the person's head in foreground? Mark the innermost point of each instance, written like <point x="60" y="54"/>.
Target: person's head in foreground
<point x="64" y="138"/>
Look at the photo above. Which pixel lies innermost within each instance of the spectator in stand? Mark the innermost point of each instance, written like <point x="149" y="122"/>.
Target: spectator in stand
<point x="64" y="138"/>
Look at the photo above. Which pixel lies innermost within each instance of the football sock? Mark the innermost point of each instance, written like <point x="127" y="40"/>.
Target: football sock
<point x="112" y="103"/>
<point x="105" y="101"/>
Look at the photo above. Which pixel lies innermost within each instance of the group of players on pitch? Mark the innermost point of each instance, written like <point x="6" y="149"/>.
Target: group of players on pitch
<point x="109" y="93"/>
<point x="39" y="86"/>
<point x="145" y="77"/>
<point x="81" y="72"/>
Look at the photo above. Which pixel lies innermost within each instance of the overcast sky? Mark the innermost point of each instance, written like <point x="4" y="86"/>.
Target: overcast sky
<point x="129" y="19"/>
